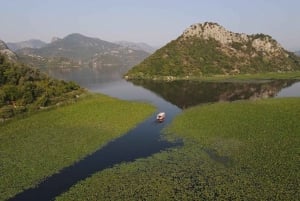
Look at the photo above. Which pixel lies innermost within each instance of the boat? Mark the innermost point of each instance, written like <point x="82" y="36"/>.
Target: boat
<point x="161" y="116"/>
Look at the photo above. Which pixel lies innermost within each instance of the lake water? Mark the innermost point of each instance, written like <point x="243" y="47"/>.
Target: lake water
<point x="180" y="93"/>
<point x="145" y="139"/>
<point x="291" y="91"/>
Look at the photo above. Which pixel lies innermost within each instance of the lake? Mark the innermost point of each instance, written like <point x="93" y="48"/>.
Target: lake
<point x="145" y="139"/>
<point x="183" y="94"/>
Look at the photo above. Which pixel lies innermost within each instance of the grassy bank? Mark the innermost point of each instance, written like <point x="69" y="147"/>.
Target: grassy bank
<point x="247" y="150"/>
<point x="40" y="145"/>
<point x="261" y="76"/>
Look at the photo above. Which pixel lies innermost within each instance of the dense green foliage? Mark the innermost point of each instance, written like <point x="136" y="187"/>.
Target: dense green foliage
<point x="247" y="150"/>
<point x="197" y="57"/>
<point x="38" y="146"/>
<point x="179" y="59"/>
<point x="25" y="89"/>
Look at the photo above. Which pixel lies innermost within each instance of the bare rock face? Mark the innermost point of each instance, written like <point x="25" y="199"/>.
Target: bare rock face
<point x="7" y="52"/>
<point x="213" y="30"/>
<point x="260" y="42"/>
<point x="268" y="45"/>
<point x="3" y="46"/>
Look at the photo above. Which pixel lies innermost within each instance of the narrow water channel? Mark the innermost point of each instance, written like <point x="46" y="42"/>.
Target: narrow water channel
<point x="142" y="141"/>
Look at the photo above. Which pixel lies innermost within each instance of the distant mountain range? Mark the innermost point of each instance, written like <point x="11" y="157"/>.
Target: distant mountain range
<point x="76" y="50"/>
<point x="33" y="43"/>
<point x="209" y="49"/>
<point x="137" y="46"/>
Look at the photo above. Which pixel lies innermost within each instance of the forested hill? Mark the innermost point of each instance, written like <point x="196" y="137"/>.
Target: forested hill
<point x="23" y="89"/>
<point x="209" y="49"/>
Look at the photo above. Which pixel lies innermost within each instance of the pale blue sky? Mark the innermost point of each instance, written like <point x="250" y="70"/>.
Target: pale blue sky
<point x="155" y="22"/>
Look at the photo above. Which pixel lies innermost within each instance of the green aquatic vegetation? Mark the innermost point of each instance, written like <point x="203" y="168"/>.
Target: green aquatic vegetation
<point x="245" y="150"/>
<point x="35" y="147"/>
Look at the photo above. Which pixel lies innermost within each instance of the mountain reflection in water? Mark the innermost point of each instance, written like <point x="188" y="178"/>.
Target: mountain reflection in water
<point x="190" y="93"/>
<point x="182" y="93"/>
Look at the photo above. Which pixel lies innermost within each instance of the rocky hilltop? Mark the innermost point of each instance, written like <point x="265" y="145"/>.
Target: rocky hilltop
<point x="4" y="50"/>
<point x="227" y="39"/>
<point x="209" y="49"/>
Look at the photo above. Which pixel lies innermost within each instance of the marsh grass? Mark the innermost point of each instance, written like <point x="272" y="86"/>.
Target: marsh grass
<point x="259" y="140"/>
<point x="39" y="145"/>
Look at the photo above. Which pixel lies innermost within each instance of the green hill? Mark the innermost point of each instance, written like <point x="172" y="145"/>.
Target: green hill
<point x="209" y="49"/>
<point x="24" y="89"/>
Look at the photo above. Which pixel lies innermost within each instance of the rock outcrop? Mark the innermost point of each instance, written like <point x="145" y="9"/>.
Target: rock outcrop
<point x="214" y="30"/>
<point x="260" y="42"/>
<point x="4" y="50"/>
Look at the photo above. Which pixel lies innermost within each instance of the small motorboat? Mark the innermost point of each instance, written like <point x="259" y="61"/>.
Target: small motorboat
<point x="161" y="116"/>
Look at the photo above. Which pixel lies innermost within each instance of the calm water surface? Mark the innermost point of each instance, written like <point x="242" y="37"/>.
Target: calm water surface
<point x="292" y="91"/>
<point x="145" y="139"/>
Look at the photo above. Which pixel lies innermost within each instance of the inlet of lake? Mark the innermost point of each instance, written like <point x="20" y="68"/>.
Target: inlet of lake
<point x="145" y="139"/>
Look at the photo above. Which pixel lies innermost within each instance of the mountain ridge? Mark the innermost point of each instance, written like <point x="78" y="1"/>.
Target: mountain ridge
<point x="31" y="43"/>
<point x="137" y="46"/>
<point x="77" y="50"/>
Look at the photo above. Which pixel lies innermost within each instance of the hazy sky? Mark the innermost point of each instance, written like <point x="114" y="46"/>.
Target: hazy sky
<point x="155" y="22"/>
